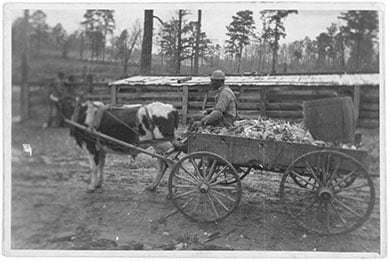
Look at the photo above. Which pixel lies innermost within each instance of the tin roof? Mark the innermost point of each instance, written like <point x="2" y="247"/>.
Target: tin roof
<point x="297" y="80"/>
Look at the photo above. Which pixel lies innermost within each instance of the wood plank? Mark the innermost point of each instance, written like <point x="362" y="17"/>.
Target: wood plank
<point x="150" y="87"/>
<point x="151" y="95"/>
<point x="282" y="114"/>
<point x="301" y="92"/>
<point x="368" y="123"/>
<point x="176" y="104"/>
<point x="369" y="114"/>
<point x="369" y="99"/>
<point x="369" y="106"/>
<point x="284" y="106"/>
<point x="184" y="104"/>
<point x="295" y="98"/>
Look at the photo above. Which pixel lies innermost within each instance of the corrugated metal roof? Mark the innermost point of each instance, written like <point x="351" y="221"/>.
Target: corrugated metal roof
<point x="297" y="80"/>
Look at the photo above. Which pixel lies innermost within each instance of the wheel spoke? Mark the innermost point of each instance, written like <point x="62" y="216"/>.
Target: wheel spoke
<point x="220" y="172"/>
<point x="319" y="169"/>
<point x="220" y="202"/>
<point x="204" y="167"/>
<point x="223" y="187"/>
<point x="297" y="175"/>
<point x="213" y="206"/>
<point x="223" y="195"/>
<point x="187" y="203"/>
<point x="327" y="219"/>
<point x="300" y="189"/>
<point x="318" y="208"/>
<point x="345" y="178"/>
<point x="312" y="172"/>
<point x="195" y="167"/>
<point x="328" y="163"/>
<point x="185" y="194"/>
<point x="190" y="174"/>
<point x="334" y="172"/>
<point x="346" y="207"/>
<point x="184" y="178"/>
<point x="211" y="170"/>
<point x="352" y="198"/>
<point x="338" y="215"/>
<point x="184" y="186"/>
<point x="197" y="204"/>
<point x="351" y="187"/>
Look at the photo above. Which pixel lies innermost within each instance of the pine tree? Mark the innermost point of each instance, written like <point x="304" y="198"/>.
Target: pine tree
<point x="239" y="32"/>
<point x="274" y="30"/>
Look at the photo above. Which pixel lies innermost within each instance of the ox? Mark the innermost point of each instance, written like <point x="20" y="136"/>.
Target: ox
<point x="133" y="124"/>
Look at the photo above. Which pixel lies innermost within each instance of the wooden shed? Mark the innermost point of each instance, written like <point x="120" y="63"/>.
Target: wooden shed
<point x="277" y="96"/>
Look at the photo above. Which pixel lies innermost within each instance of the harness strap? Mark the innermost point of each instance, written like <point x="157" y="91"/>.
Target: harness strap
<point x="150" y="121"/>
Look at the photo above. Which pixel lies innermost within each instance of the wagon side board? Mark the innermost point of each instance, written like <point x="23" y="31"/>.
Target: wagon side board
<point x="254" y="152"/>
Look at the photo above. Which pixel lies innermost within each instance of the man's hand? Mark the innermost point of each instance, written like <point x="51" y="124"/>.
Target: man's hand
<point x="197" y="124"/>
<point x="207" y="111"/>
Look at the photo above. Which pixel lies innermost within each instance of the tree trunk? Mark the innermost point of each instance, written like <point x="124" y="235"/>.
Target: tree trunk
<point x="81" y="46"/>
<point x="274" y="58"/>
<point x="260" y="60"/>
<point x="147" y="41"/>
<point x="179" y="47"/>
<point x="24" y="102"/>
<point x="198" y="30"/>
<point x="104" y="43"/>
<point x="358" y="55"/>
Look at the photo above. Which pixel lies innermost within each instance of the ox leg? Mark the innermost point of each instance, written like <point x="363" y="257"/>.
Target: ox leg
<point x="162" y="168"/>
<point x="93" y="158"/>
<point x="94" y="169"/>
<point x="100" y="177"/>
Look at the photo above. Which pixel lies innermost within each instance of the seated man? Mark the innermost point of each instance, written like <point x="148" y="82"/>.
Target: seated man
<point x="225" y="110"/>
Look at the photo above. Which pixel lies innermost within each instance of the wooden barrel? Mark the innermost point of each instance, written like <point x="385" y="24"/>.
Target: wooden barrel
<point x="330" y="119"/>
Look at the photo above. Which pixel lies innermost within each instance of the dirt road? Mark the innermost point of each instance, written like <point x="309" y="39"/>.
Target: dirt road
<point x="51" y="210"/>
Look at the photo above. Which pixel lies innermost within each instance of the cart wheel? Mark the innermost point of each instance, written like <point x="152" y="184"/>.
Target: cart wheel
<point x="334" y="195"/>
<point x="203" y="191"/>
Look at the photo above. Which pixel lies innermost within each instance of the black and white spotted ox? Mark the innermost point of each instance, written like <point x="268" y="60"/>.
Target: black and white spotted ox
<point x="133" y="124"/>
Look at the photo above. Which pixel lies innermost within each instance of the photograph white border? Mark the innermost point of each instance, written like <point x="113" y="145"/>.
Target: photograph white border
<point x="308" y="5"/>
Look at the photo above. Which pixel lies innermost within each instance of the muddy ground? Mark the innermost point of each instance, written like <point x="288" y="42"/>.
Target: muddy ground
<point x="51" y="209"/>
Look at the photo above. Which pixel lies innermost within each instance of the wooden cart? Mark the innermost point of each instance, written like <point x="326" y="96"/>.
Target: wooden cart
<point x="325" y="190"/>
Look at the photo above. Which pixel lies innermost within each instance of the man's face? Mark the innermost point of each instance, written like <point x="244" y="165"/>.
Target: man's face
<point x="215" y="84"/>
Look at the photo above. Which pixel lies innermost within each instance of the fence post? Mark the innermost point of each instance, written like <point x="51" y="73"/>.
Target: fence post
<point x="263" y="101"/>
<point x="184" y="104"/>
<point x="356" y="100"/>
<point x="89" y="83"/>
<point x="113" y="94"/>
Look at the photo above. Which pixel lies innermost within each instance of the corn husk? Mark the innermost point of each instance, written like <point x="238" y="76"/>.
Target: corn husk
<point x="276" y="130"/>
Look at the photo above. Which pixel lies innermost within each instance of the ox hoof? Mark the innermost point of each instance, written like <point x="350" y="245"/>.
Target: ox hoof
<point x="89" y="190"/>
<point x="151" y="188"/>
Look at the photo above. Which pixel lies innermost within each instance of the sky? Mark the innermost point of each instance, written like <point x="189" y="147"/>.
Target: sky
<point x="310" y="21"/>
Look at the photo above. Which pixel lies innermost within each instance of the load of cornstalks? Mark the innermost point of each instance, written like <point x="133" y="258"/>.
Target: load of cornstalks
<point x="277" y="130"/>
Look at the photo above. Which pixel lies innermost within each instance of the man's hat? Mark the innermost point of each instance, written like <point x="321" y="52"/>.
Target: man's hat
<point x="217" y="75"/>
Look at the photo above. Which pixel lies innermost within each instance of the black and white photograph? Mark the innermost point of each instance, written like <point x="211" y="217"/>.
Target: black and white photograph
<point x="199" y="129"/>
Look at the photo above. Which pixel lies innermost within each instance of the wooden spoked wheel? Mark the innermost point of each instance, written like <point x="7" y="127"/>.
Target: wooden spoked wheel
<point x="334" y="194"/>
<point x="202" y="188"/>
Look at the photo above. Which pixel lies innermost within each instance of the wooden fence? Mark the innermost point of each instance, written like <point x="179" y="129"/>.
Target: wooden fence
<point x="279" y="102"/>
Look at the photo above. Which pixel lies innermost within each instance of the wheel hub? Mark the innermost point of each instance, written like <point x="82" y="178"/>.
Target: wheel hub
<point x="204" y="188"/>
<point x="325" y="194"/>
